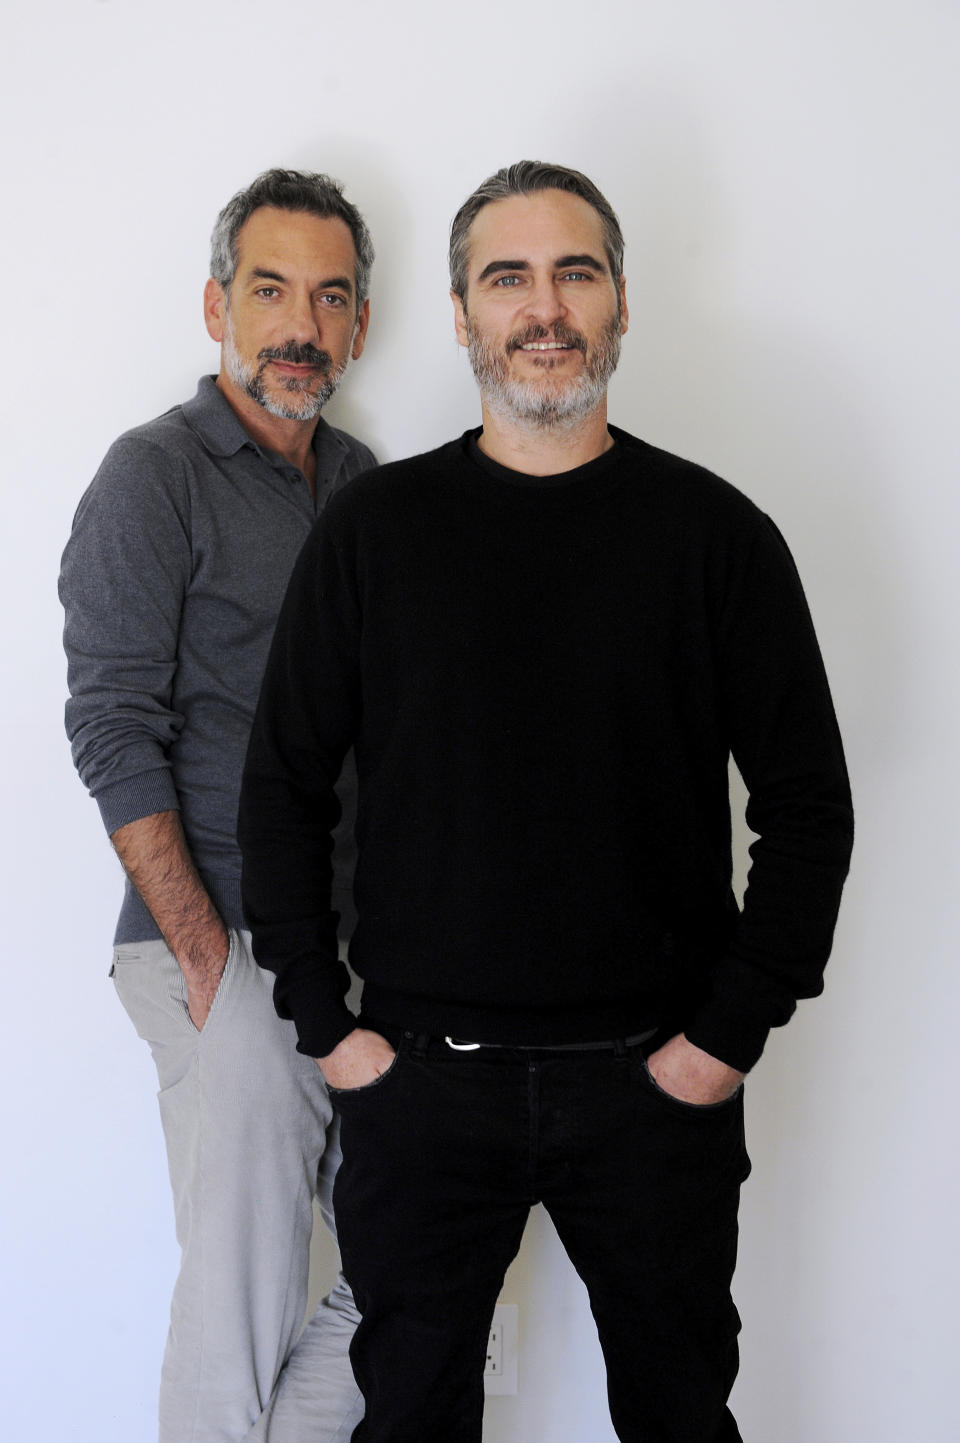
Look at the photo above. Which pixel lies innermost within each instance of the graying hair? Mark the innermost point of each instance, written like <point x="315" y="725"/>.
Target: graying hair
<point x="526" y="177"/>
<point x="308" y="192"/>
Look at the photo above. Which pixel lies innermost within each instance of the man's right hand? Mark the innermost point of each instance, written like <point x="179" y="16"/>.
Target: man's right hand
<point x="203" y="971"/>
<point x="156" y="858"/>
<point x="359" y="1059"/>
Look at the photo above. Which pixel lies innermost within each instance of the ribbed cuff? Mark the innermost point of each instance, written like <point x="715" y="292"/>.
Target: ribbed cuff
<point x="137" y="797"/>
<point x="320" y="1028"/>
<point x="732" y="1036"/>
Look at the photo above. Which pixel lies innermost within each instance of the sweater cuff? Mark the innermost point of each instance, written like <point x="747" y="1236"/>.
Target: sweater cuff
<point x="137" y="797"/>
<point x="311" y="994"/>
<point x="729" y="1033"/>
<point x="319" y="1028"/>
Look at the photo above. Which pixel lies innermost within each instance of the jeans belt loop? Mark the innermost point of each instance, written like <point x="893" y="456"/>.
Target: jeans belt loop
<point x="419" y="1043"/>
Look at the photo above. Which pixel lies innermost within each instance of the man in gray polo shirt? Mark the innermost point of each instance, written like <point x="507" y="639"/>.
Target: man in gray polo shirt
<point x="171" y="582"/>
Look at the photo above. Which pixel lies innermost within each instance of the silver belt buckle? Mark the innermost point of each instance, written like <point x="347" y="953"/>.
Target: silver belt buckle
<point x="462" y="1046"/>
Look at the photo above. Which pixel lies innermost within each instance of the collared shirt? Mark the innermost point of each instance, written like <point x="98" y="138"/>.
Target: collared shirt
<point x="171" y="582"/>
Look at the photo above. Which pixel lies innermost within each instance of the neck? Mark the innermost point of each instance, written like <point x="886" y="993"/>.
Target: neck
<point x="293" y="440"/>
<point x="544" y="450"/>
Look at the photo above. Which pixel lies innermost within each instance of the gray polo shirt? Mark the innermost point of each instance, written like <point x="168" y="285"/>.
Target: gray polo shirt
<point x="171" y="582"/>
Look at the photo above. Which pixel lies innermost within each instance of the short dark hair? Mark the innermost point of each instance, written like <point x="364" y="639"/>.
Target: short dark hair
<point x="298" y="190"/>
<point x="526" y="177"/>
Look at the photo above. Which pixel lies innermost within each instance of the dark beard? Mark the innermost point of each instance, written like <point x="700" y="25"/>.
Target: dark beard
<point x="313" y="398"/>
<point x="522" y="401"/>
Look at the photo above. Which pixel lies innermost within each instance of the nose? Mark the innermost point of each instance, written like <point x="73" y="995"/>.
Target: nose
<point x="301" y="318"/>
<point x="545" y="302"/>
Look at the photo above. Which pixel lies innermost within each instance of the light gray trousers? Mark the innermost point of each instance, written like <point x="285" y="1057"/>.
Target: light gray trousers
<point x="250" y="1139"/>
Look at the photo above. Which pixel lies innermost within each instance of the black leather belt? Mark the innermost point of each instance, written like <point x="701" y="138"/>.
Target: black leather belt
<point x="613" y="1044"/>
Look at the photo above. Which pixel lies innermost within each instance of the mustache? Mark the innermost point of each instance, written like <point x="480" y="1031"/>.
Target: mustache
<point x="563" y="335"/>
<point x="297" y="355"/>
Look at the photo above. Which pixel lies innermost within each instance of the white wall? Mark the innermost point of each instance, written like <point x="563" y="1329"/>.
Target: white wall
<point x="786" y="181"/>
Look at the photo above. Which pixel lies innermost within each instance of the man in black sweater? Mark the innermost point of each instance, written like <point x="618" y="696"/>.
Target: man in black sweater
<point x="545" y="640"/>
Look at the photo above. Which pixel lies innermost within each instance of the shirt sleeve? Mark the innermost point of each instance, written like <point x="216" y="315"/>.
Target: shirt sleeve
<point x="306" y="720"/>
<point x="123" y="578"/>
<point x="785" y="740"/>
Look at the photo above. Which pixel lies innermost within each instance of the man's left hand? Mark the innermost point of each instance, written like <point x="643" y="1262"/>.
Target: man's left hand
<point x="692" y="1075"/>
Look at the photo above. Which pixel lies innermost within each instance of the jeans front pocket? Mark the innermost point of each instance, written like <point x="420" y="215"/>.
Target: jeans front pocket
<point x="340" y="1094"/>
<point x="680" y="1104"/>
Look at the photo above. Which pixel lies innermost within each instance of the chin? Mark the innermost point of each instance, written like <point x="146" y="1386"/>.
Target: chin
<point x="306" y="409"/>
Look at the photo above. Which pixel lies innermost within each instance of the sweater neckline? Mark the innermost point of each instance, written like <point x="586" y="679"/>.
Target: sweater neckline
<point x="486" y="475"/>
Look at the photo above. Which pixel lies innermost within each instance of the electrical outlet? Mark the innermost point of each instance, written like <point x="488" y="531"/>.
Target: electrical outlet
<point x="500" y="1374"/>
<point x="494" y="1368"/>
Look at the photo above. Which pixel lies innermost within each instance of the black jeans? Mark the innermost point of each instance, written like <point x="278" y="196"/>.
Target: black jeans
<point x="443" y="1157"/>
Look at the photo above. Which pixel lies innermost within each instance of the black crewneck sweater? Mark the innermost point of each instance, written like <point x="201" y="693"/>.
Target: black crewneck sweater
<point x="543" y="679"/>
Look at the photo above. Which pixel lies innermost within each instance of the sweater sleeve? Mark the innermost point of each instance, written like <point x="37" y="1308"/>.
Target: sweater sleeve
<point x="124" y="573"/>
<point x="786" y="743"/>
<point x="306" y="720"/>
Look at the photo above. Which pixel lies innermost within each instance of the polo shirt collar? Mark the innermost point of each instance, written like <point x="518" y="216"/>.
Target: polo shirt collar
<point x="210" y="415"/>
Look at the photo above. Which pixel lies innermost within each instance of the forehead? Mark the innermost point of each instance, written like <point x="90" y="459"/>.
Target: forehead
<point x="541" y="227"/>
<point x="294" y="240"/>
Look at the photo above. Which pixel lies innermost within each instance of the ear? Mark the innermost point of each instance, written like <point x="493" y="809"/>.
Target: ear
<point x="360" y="330"/>
<point x="459" y="319"/>
<point x="214" y="309"/>
<point x="624" y="313"/>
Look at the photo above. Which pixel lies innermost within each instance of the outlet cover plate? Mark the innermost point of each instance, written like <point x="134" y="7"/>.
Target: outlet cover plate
<point x="500" y="1374"/>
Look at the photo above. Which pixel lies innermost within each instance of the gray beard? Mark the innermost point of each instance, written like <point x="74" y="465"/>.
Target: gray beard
<point x="530" y="404"/>
<point x="300" y="402"/>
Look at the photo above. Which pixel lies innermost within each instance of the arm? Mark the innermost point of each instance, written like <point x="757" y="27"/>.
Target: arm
<point x="783" y="734"/>
<point x="125" y="574"/>
<point x="123" y="581"/>
<point x="307" y="718"/>
<point x="155" y="858"/>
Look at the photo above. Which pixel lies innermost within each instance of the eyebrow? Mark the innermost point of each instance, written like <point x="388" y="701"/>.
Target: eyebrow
<point x="584" y="262"/>
<point x="343" y="283"/>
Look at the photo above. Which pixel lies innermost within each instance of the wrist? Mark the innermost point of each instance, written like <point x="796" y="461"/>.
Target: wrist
<point x="202" y="952"/>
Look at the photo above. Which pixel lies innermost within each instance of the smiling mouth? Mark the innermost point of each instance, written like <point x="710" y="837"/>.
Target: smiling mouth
<point x="547" y="346"/>
<point x="558" y="340"/>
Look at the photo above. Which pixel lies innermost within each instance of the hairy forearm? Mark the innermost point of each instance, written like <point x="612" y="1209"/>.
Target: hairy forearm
<point x="157" y="860"/>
